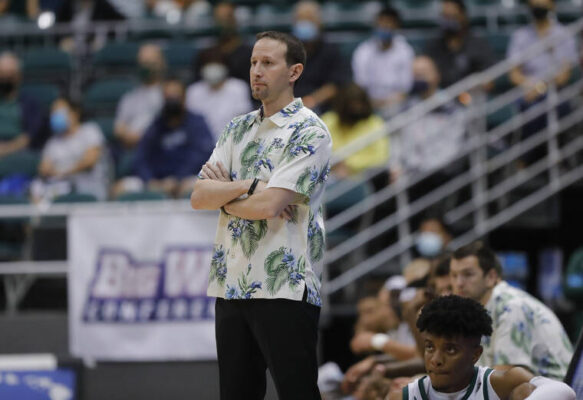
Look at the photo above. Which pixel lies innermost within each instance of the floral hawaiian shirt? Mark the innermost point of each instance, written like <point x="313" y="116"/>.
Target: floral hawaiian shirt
<point x="526" y="333"/>
<point x="273" y="258"/>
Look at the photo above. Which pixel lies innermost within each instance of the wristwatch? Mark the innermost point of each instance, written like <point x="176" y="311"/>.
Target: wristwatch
<point x="253" y="186"/>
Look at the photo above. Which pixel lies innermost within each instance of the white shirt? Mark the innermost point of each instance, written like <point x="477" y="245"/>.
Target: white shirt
<point x="383" y="73"/>
<point x="138" y="108"/>
<point x="64" y="152"/>
<point x="219" y="106"/>
<point x="430" y="142"/>
<point x="480" y="388"/>
<point x="274" y="258"/>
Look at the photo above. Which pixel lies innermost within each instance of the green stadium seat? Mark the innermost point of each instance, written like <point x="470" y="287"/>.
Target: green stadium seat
<point x="117" y="54"/>
<point x="180" y="54"/>
<point x="44" y="93"/>
<point x="500" y="116"/>
<point x="106" y="126"/>
<point x="24" y="162"/>
<point x="125" y="164"/>
<point x="103" y="95"/>
<point x="75" y="198"/>
<point x="141" y="196"/>
<point x="499" y="43"/>
<point x="12" y="231"/>
<point x="46" y="60"/>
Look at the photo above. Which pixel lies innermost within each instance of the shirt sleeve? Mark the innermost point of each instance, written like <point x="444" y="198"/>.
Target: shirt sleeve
<point x="121" y="114"/>
<point x="405" y="72"/>
<point x="511" y="341"/>
<point x="305" y="162"/>
<point x="93" y="135"/>
<point x="515" y="45"/>
<point x="358" y="65"/>
<point x="222" y="151"/>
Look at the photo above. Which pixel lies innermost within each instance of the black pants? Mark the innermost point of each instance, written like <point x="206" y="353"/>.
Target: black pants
<point x="256" y="334"/>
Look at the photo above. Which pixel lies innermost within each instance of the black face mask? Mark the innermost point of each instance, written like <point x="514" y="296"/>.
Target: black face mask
<point x="419" y="87"/>
<point x="539" y="13"/>
<point x="6" y="87"/>
<point x="172" y="108"/>
<point x="147" y="74"/>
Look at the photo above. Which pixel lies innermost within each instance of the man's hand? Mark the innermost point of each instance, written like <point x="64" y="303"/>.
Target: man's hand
<point x="216" y="172"/>
<point x="362" y="342"/>
<point x="355" y="373"/>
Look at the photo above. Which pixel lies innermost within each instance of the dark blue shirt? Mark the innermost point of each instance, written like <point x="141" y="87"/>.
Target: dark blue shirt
<point x="174" y="152"/>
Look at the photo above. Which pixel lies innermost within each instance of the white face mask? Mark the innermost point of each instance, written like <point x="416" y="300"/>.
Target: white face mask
<point x="214" y="73"/>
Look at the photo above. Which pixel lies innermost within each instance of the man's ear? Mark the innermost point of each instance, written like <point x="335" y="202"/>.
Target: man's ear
<point x="477" y="354"/>
<point x="295" y="71"/>
<point x="492" y="277"/>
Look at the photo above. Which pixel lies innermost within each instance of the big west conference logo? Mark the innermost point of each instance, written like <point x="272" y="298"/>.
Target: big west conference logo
<point x="124" y="290"/>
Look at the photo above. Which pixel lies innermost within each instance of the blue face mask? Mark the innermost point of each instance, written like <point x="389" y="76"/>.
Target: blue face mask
<point x="429" y="244"/>
<point x="305" y="30"/>
<point x="384" y="35"/>
<point x="59" y="122"/>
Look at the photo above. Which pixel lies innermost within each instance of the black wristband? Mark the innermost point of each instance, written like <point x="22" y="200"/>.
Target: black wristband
<point x="253" y="186"/>
<point x="223" y="210"/>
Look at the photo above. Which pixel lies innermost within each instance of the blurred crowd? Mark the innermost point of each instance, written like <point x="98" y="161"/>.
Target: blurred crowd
<point x="165" y="128"/>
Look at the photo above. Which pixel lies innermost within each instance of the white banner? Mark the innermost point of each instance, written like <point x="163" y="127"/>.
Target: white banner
<point x="137" y="286"/>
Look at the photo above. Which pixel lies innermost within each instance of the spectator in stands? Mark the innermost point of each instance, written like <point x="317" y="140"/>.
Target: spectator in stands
<point x="555" y="65"/>
<point x="189" y="11"/>
<point x="175" y="146"/>
<point x="457" y="52"/>
<point x="74" y="159"/>
<point x="22" y="121"/>
<point x="432" y="238"/>
<point x="439" y="279"/>
<point x="137" y="108"/>
<point x="230" y="44"/>
<point x="431" y="142"/>
<point x="351" y="118"/>
<point x="526" y="332"/>
<point x="382" y="64"/>
<point x="218" y="97"/>
<point x="325" y="69"/>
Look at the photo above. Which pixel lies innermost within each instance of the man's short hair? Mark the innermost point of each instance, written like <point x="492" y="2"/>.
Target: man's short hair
<point x="390" y="12"/>
<point x="454" y="316"/>
<point x="295" y="53"/>
<point x="459" y="3"/>
<point x="486" y="257"/>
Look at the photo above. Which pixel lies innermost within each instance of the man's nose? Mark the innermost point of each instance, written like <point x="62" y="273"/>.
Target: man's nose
<point x="436" y="359"/>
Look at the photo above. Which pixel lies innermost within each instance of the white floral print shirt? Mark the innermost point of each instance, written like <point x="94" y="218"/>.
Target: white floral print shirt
<point x="273" y="258"/>
<point x="526" y="333"/>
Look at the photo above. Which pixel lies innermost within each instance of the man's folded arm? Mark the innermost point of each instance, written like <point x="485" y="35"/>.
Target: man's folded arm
<point x="266" y="204"/>
<point x="211" y="194"/>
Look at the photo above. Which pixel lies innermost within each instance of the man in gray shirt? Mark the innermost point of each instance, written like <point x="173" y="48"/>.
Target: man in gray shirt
<point x="554" y="65"/>
<point x="138" y="108"/>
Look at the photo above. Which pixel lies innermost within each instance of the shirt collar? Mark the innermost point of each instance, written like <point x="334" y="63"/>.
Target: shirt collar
<point x="281" y="117"/>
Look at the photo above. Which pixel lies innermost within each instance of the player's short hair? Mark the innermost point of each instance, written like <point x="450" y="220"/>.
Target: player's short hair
<point x="295" y="54"/>
<point x="454" y="316"/>
<point x="486" y="257"/>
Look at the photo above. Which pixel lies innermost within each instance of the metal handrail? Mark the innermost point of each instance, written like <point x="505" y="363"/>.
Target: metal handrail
<point x="447" y="189"/>
<point x="473" y="81"/>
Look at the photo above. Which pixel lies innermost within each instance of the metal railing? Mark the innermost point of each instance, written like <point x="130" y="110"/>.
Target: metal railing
<point x="481" y="166"/>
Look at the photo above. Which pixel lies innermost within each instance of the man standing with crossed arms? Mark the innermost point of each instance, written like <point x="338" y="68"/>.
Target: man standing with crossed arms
<point x="267" y="175"/>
